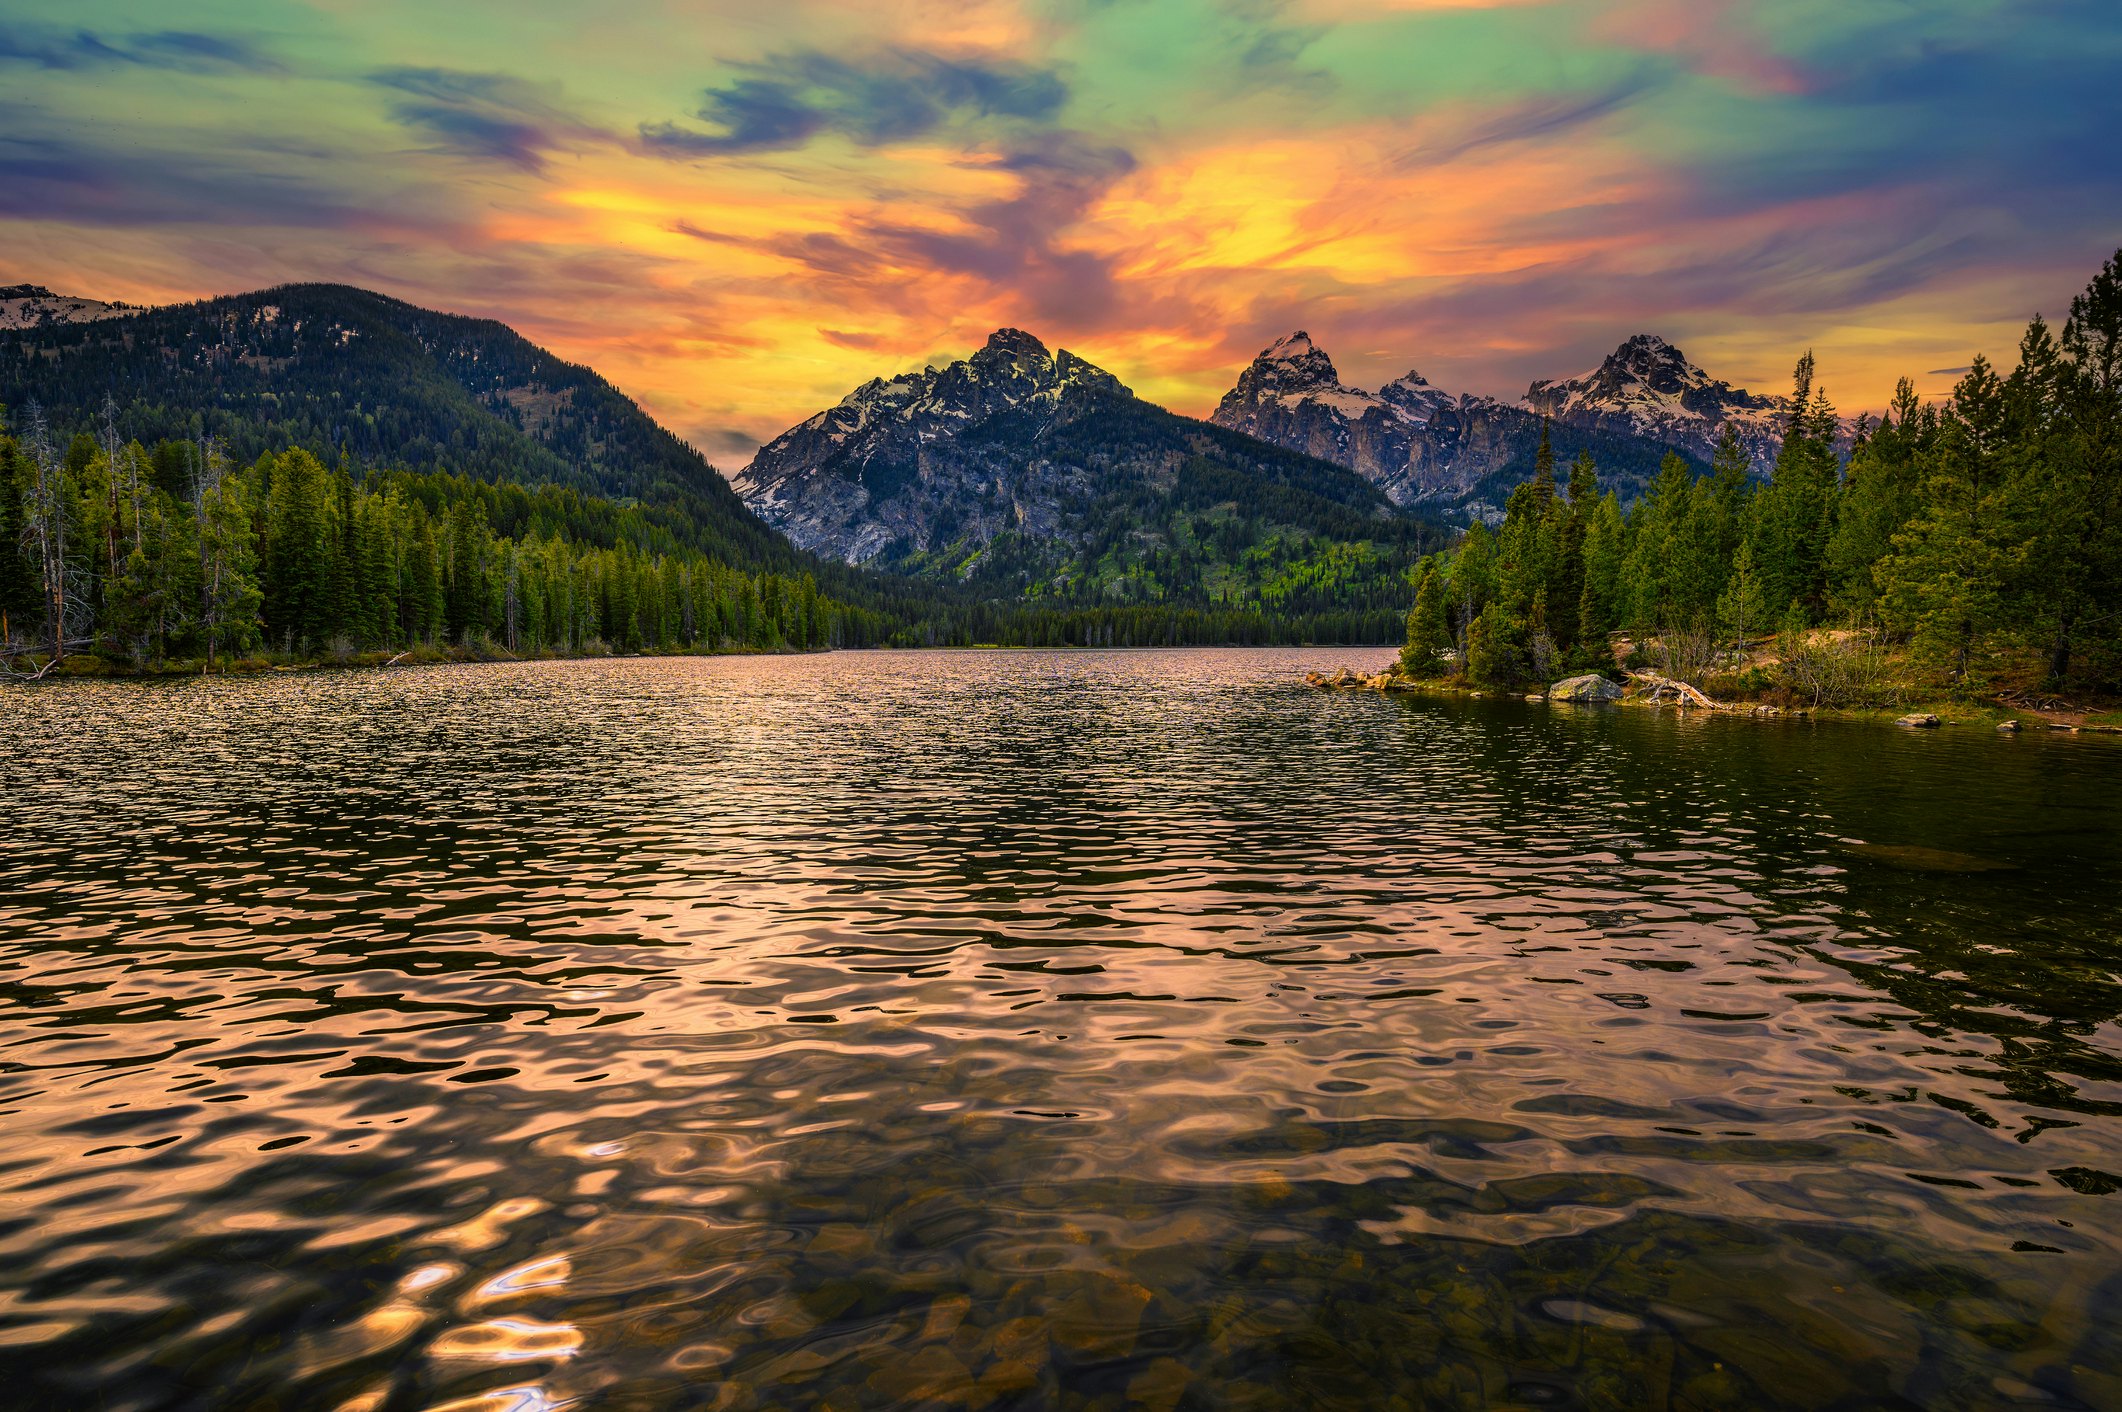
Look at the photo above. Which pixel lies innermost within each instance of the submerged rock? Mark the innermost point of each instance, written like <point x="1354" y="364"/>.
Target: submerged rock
<point x="1922" y="720"/>
<point x="1589" y="687"/>
<point x="1917" y="858"/>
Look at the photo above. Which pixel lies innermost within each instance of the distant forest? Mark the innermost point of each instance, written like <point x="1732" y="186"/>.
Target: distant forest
<point x="168" y="554"/>
<point x="1982" y="538"/>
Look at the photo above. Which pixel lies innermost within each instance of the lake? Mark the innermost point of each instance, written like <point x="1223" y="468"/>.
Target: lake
<point x="1040" y="1030"/>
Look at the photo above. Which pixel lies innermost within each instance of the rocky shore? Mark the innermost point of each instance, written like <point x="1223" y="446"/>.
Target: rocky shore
<point x="1642" y="688"/>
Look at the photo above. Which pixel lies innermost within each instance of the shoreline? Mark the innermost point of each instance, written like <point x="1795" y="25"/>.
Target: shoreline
<point x="86" y="666"/>
<point x="1922" y="713"/>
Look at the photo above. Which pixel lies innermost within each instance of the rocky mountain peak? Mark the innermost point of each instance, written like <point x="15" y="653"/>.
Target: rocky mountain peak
<point x="1014" y="343"/>
<point x="1291" y="364"/>
<point x="1649" y="360"/>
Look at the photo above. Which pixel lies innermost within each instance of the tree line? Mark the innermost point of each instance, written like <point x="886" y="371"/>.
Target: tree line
<point x="171" y="553"/>
<point x="1983" y="536"/>
<point x="151" y="555"/>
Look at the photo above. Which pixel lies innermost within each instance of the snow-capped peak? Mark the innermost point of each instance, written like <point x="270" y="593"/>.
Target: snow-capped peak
<point x="1647" y="387"/>
<point x="888" y="417"/>
<point x="1647" y="380"/>
<point x="1289" y="349"/>
<point x="1294" y="372"/>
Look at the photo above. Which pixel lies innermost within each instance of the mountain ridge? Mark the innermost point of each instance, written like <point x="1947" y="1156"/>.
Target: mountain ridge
<point x="346" y="371"/>
<point x="1426" y="449"/>
<point x="1037" y="472"/>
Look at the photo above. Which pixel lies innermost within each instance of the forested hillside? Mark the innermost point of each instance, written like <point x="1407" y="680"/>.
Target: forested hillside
<point x="1979" y="541"/>
<point x="174" y="554"/>
<point x="352" y="375"/>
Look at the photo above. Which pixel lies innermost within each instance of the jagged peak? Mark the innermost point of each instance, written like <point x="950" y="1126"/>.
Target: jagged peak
<point x="1290" y="363"/>
<point x="1015" y="342"/>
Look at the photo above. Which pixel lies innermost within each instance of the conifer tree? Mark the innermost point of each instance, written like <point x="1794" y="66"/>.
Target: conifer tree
<point x="1943" y="581"/>
<point x="1428" y="632"/>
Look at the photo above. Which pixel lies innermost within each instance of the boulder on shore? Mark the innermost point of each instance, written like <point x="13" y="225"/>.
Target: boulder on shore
<point x="1589" y="687"/>
<point x="1922" y="720"/>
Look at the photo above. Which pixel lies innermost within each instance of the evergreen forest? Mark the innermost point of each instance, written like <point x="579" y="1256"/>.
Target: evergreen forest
<point x="1975" y="545"/>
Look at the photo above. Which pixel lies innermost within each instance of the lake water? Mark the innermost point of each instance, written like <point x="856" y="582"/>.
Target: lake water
<point x="1044" y="1030"/>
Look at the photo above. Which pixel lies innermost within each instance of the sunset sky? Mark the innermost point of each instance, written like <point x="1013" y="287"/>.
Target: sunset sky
<point x="738" y="210"/>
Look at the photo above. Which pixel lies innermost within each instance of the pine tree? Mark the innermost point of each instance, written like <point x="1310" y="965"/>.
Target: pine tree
<point x="2082" y="565"/>
<point x="1495" y="651"/>
<point x="1742" y="609"/>
<point x="230" y="595"/>
<point x="1428" y="633"/>
<point x="299" y="548"/>
<point x="1944" y="580"/>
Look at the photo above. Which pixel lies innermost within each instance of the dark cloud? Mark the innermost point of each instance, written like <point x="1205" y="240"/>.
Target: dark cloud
<point x="182" y="50"/>
<point x="486" y="116"/>
<point x="784" y="101"/>
<point x="52" y="172"/>
<point x="1011" y="245"/>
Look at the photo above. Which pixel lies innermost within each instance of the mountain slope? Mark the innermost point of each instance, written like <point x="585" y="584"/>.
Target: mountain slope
<point x="338" y="369"/>
<point x="1020" y="471"/>
<point x="1453" y="455"/>
<point x="34" y="306"/>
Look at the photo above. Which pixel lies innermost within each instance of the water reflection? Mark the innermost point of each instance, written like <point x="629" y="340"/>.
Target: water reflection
<point x="1044" y="1030"/>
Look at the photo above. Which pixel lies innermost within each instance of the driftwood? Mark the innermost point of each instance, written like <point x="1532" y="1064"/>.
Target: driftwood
<point x="400" y="657"/>
<point x="7" y="670"/>
<point x="1655" y="686"/>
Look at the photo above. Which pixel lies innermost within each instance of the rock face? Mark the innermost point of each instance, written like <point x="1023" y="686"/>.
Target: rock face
<point x="1647" y="388"/>
<point x="1444" y="453"/>
<point x="1403" y="438"/>
<point x="1591" y="687"/>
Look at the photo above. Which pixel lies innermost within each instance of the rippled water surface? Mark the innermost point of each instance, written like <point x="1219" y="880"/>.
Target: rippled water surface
<point x="1040" y="1030"/>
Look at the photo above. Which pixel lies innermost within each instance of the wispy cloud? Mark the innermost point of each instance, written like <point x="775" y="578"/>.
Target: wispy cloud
<point x="183" y="51"/>
<point x="891" y="96"/>
<point x="488" y="116"/>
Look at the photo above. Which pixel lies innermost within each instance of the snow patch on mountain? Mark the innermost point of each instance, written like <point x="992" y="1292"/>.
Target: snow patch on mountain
<point x="34" y="306"/>
<point x="821" y="481"/>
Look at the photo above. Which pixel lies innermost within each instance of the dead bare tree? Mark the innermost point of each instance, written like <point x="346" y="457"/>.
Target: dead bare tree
<point x="44" y="534"/>
<point x="511" y="597"/>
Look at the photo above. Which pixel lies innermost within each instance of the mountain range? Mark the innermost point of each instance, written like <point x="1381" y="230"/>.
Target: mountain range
<point x="1016" y="447"/>
<point x="1016" y="473"/>
<point x="1459" y="454"/>
<point x="1023" y="471"/>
